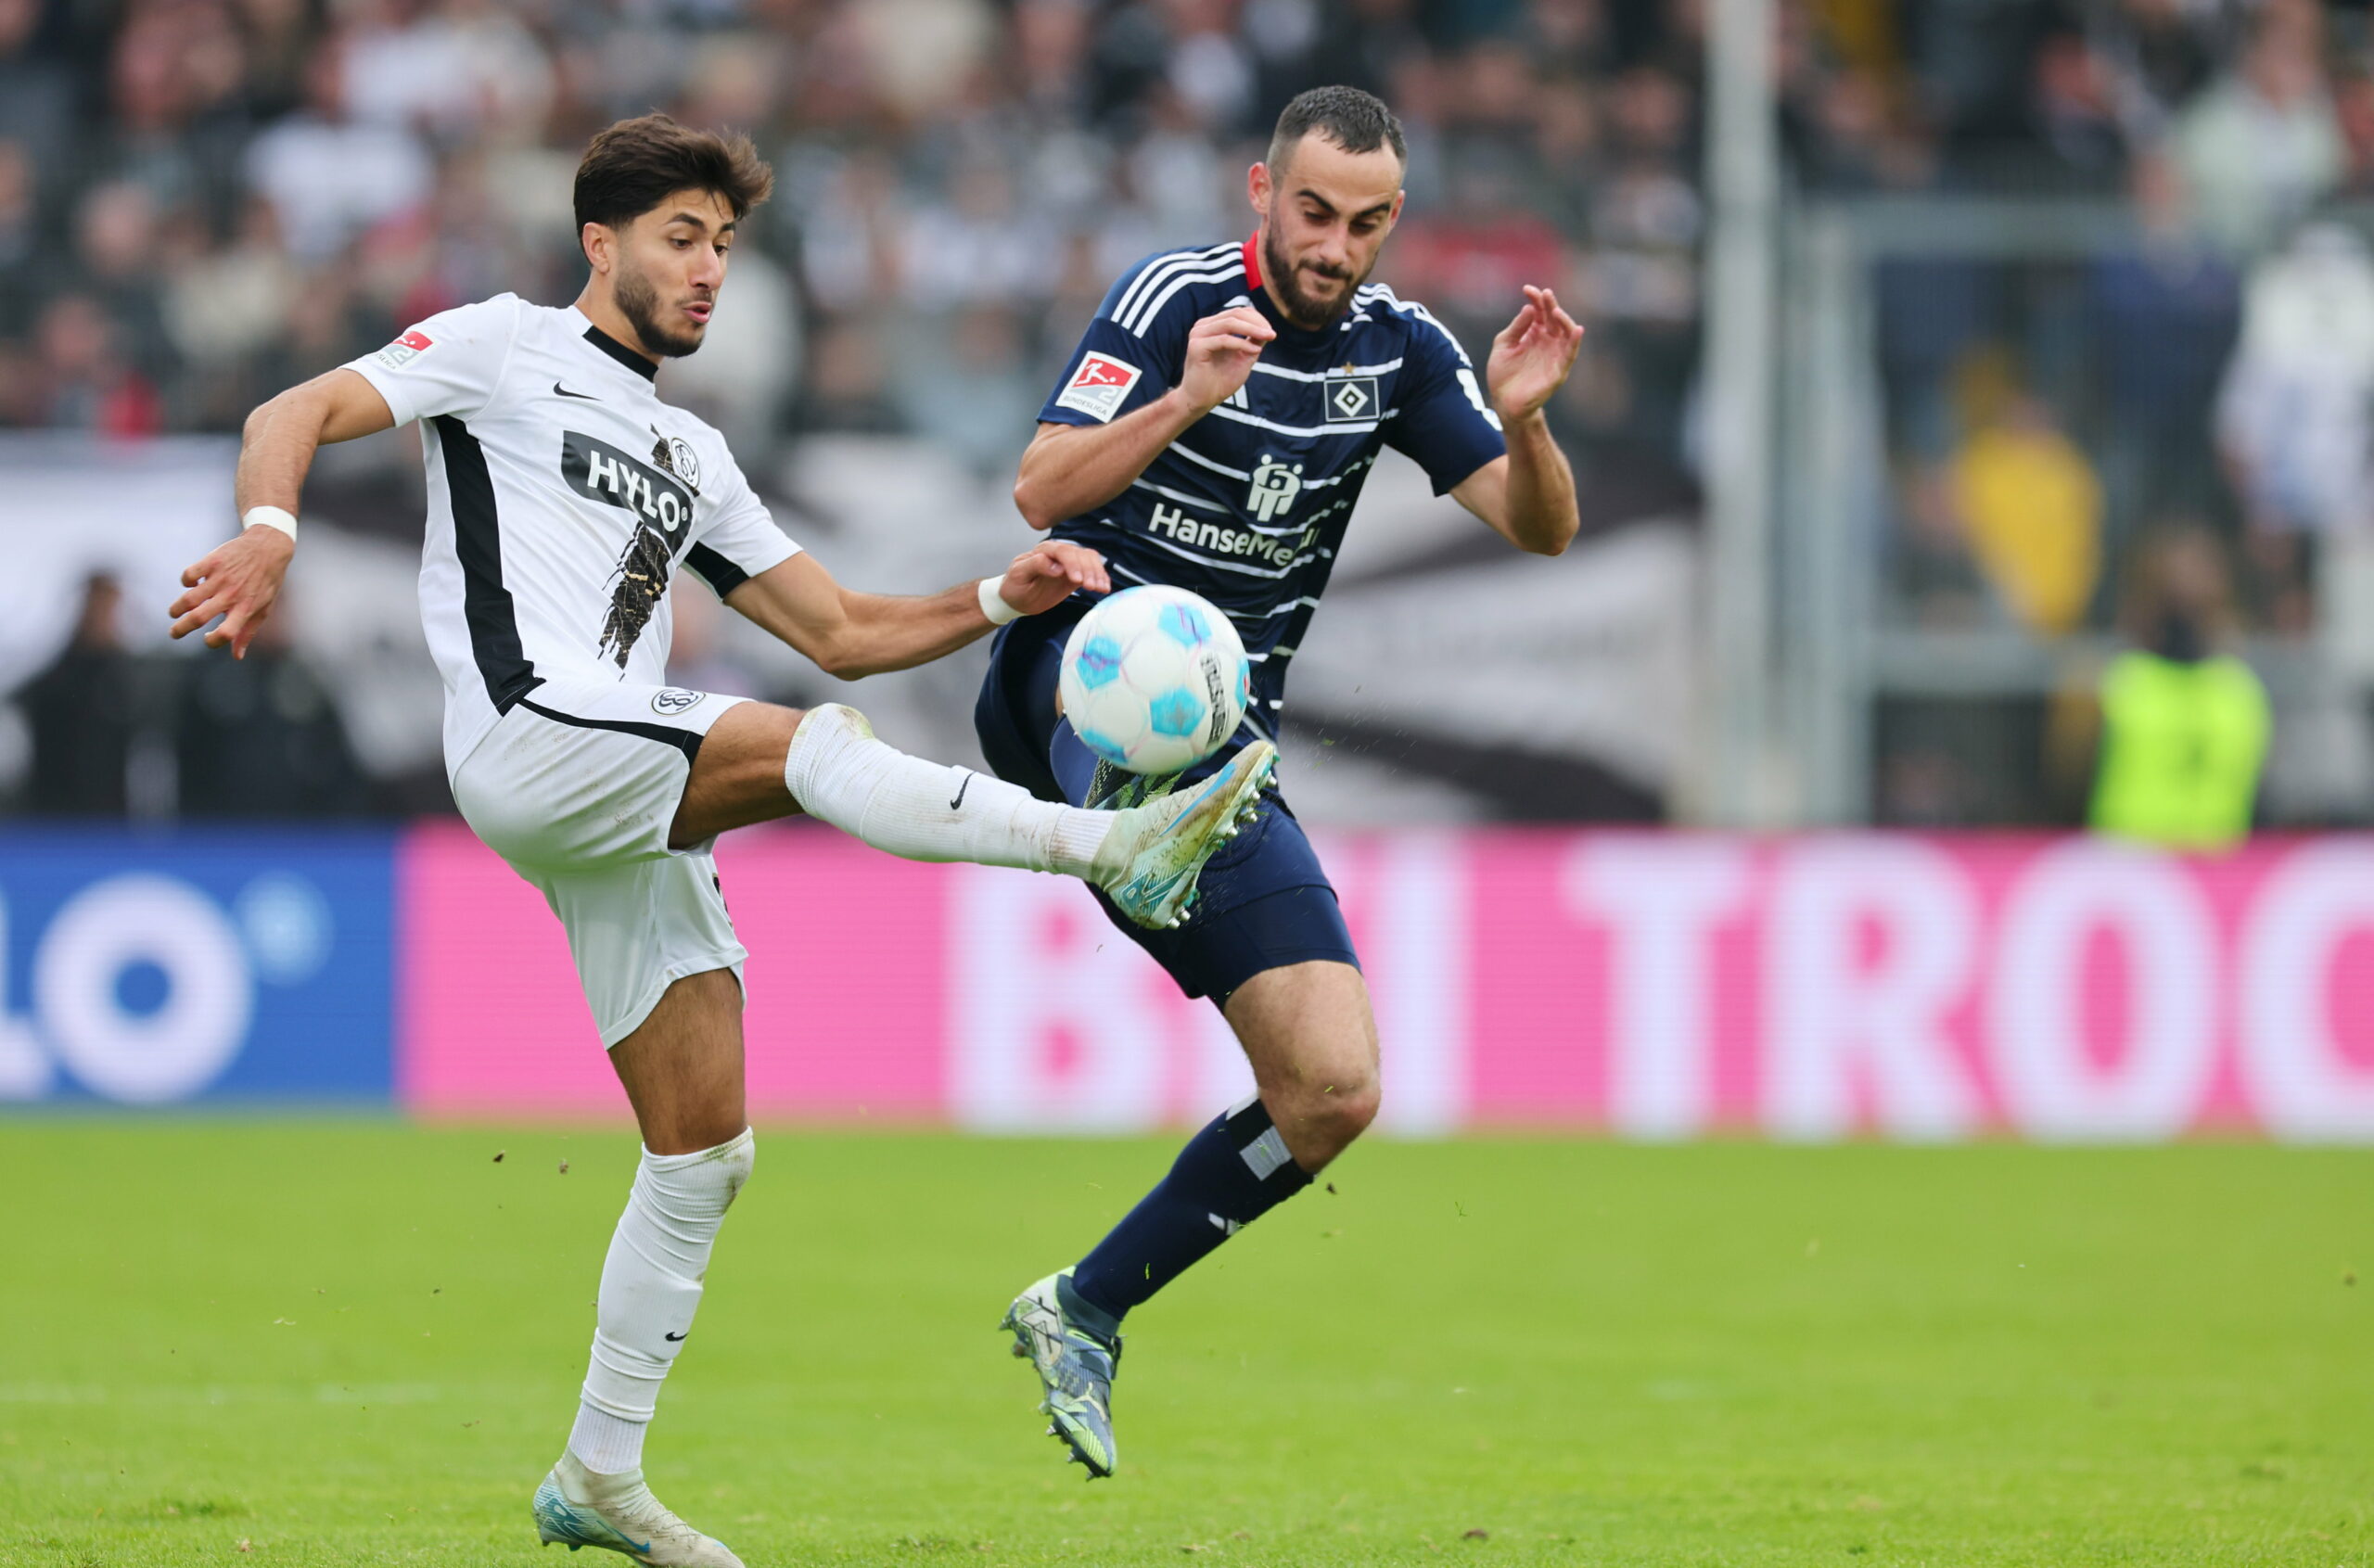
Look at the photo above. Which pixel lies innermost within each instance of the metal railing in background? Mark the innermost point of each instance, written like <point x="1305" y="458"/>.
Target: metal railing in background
<point x="1853" y="643"/>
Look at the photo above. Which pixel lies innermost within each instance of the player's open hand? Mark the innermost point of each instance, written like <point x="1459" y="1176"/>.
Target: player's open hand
<point x="238" y="580"/>
<point x="1046" y="575"/>
<point x="1532" y="356"/>
<point x="1220" y="352"/>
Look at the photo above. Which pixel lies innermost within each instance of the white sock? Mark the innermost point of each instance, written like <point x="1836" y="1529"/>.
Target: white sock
<point x="921" y="811"/>
<point x="605" y="1444"/>
<point x="651" y="1286"/>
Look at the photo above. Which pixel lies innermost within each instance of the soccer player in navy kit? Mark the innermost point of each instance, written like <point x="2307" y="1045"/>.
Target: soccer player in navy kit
<point x="1212" y="432"/>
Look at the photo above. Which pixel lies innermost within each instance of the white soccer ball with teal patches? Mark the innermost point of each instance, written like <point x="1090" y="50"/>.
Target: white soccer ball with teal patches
<point x="1154" y="679"/>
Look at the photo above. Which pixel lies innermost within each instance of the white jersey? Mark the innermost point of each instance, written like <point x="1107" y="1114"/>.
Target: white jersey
<point x="562" y="494"/>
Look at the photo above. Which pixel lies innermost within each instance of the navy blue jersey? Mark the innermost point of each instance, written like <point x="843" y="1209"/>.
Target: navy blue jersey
<point x="1247" y="506"/>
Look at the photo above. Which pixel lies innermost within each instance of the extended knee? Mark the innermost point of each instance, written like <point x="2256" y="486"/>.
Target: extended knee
<point x="1323" y="1119"/>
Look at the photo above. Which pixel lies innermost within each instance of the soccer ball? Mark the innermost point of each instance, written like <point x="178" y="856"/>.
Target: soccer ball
<point x="1154" y="679"/>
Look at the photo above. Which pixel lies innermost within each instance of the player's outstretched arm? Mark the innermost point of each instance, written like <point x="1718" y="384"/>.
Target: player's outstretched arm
<point x="1528" y="496"/>
<point x="239" y="579"/>
<point x="1068" y="468"/>
<point x="851" y="635"/>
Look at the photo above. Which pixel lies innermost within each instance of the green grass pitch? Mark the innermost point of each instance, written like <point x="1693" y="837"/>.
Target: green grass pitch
<point x="358" y="1343"/>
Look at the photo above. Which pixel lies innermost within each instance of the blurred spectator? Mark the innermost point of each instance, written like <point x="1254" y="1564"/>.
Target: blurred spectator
<point x="2159" y="53"/>
<point x="2184" y="724"/>
<point x="2294" y="419"/>
<point x="2353" y="117"/>
<point x="962" y="377"/>
<point x="2077" y="118"/>
<point x="36" y="89"/>
<point x="2030" y="508"/>
<point x="226" y="307"/>
<point x="2261" y="146"/>
<point x="117" y="237"/>
<point x="327" y="177"/>
<point x="85" y="381"/>
<point x="2168" y="314"/>
<point x="20" y="238"/>
<point x="449" y="70"/>
<point x="83" y="713"/>
<point x="259" y="738"/>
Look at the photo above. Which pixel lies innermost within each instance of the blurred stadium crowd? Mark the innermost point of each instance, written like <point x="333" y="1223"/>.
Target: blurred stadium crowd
<point x="202" y="201"/>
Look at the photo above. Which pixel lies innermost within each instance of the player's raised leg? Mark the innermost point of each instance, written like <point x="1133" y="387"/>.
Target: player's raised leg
<point x="758" y="762"/>
<point x="681" y="1067"/>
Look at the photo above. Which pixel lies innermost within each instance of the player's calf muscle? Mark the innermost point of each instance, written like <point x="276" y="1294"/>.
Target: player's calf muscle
<point x="737" y="778"/>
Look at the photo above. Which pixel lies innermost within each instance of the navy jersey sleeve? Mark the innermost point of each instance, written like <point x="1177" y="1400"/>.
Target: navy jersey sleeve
<point x="1441" y="417"/>
<point x="1131" y="354"/>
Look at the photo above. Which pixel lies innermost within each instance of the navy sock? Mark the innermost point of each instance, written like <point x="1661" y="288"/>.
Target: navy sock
<point x="1230" y="1175"/>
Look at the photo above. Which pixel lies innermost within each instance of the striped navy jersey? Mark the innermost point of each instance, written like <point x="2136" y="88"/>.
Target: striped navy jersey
<point x="1248" y="505"/>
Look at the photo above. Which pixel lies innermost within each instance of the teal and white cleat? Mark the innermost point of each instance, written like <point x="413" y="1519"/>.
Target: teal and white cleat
<point x="1076" y="1366"/>
<point x="618" y="1513"/>
<point x="1149" y="861"/>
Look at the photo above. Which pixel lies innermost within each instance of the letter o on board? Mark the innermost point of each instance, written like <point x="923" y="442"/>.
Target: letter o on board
<point x="180" y="1047"/>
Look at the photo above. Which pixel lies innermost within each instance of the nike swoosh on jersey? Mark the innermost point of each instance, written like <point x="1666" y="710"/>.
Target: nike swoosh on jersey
<point x="567" y="393"/>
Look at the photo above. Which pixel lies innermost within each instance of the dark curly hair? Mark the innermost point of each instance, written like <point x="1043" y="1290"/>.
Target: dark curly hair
<point x="636" y="164"/>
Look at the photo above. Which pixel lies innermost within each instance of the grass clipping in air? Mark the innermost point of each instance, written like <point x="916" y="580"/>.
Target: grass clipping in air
<point x="359" y="1343"/>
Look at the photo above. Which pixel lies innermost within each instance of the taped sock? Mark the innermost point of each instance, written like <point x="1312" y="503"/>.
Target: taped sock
<point x="921" y="811"/>
<point x="651" y="1287"/>
<point x="1228" y="1176"/>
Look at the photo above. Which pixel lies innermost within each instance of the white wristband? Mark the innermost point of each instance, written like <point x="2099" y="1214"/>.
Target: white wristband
<point x="269" y="517"/>
<point x="993" y="603"/>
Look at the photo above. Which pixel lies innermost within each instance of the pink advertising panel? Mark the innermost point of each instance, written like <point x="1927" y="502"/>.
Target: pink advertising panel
<point x="1654" y="986"/>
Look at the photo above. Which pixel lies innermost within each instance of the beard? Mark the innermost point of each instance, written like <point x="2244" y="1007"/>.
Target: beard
<point x="639" y="302"/>
<point x="1299" y="307"/>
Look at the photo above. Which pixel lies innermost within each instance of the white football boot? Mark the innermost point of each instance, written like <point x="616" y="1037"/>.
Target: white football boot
<point x="618" y="1512"/>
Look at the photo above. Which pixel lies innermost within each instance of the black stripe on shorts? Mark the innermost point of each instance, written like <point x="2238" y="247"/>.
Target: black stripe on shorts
<point x="686" y="741"/>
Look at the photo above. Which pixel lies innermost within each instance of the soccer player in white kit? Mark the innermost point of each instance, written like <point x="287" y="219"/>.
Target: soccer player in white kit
<point x="564" y="496"/>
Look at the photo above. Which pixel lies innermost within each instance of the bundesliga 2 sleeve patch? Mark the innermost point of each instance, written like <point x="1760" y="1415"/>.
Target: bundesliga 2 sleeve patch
<point x="405" y="349"/>
<point x="1098" y="387"/>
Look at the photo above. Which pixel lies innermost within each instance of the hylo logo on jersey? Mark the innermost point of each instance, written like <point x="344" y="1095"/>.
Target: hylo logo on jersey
<point x="406" y="349"/>
<point x="1351" y="401"/>
<point x="674" y="699"/>
<point x="1274" y="489"/>
<point x="1099" y="386"/>
<point x="600" y="470"/>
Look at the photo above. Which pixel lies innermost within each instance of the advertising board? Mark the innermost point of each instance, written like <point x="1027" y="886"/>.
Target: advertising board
<point x="214" y="965"/>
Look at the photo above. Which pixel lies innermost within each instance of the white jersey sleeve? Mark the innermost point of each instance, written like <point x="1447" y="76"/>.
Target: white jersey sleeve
<point x="449" y="363"/>
<point x="740" y="539"/>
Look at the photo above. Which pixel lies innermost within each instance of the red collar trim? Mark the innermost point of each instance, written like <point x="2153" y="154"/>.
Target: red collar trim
<point x="1253" y="259"/>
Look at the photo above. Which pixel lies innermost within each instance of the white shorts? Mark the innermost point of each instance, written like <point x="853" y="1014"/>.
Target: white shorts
<point x="577" y="787"/>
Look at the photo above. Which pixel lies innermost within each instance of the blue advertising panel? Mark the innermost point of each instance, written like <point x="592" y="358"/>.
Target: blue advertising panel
<point x="195" y="965"/>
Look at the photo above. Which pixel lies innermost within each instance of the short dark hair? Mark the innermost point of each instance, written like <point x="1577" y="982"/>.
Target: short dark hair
<point x="1355" y="121"/>
<point x="631" y="167"/>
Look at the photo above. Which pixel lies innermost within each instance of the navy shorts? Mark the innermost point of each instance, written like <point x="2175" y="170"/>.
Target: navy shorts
<point x="1261" y="903"/>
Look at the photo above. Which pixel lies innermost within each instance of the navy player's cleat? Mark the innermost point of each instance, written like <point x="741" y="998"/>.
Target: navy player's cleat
<point x="1075" y="1366"/>
<point x="618" y="1512"/>
<point x="1149" y="863"/>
